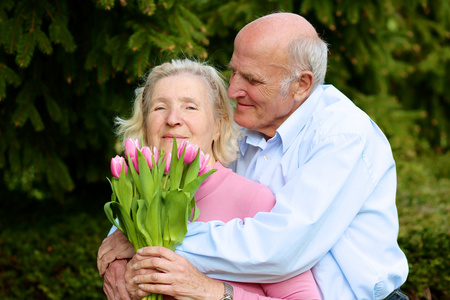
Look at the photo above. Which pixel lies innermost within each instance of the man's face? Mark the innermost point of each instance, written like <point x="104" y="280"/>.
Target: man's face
<point x="255" y="83"/>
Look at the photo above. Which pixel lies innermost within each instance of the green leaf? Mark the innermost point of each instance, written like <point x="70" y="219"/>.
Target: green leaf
<point x="145" y="178"/>
<point x="192" y="171"/>
<point x="195" y="210"/>
<point x="141" y="223"/>
<point x="124" y="190"/>
<point x="111" y="215"/>
<point x="176" y="167"/>
<point x="127" y="224"/>
<point x="153" y="220"/>
<point x="193" y="186"/>
<point x="177" y="203"/>
<point x="135" y="175"/>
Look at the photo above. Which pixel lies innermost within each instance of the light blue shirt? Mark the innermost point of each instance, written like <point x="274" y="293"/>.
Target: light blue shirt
<point x="333" y="174"/>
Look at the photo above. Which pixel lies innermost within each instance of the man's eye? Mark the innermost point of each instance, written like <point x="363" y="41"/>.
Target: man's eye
<point x="191" y="107"/>
<point x="253" y="81"/>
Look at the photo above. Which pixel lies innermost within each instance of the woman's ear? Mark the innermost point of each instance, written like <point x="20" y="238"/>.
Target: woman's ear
<point x="303" y="86"/>
<point x="217" y="129"/>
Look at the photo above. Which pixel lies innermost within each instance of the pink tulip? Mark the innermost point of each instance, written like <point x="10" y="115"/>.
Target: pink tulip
<point x="131" y="147"/>
<point x="148" y="154"/>
<point x="116" y="166"/>
<point x="168" y="158"/>
<point x="204" y="168"/>
<point x="191" y="151"/>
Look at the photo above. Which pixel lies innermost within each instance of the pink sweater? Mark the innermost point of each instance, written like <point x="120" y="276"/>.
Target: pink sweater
<point x="227" y="195"/>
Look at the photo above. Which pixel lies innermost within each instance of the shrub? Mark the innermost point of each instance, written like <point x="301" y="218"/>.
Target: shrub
<point x="423" y="193"/>
<point x="52" y="255"/>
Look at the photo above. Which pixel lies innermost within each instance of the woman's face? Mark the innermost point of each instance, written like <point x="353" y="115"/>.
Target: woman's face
<point x="180" y="107"/>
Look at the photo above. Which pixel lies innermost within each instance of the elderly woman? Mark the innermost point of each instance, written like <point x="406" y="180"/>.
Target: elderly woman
<point x="187" y="100"/>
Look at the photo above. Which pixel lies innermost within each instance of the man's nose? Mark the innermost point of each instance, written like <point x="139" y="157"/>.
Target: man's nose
<point x="237" y="87"/>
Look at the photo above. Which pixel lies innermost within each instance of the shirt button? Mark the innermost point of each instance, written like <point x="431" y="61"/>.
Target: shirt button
<point x="266" y="157"/>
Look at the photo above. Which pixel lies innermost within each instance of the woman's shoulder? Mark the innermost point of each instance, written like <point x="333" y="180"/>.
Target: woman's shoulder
<point x="239" y="180"/>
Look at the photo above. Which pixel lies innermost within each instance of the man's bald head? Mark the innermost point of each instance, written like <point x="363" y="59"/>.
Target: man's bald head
<point x="278" y="29"/>
<point x="285" y="40"/>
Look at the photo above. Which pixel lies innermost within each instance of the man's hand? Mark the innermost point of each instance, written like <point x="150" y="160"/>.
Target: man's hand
<point x="162" y="271"/>
<point x="114" y="281"/>
<point x="115" y="246"/>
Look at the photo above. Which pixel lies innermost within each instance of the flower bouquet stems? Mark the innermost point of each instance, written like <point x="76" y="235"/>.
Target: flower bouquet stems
<point x="153" y="201"/>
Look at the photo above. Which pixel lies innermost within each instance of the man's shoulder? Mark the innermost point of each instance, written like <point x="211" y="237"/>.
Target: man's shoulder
<point x="337" y="114"/>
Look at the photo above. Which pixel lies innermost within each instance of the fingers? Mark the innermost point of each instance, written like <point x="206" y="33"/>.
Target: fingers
<point x="114" y="282"/>
<point x="147" y="289"/>
<point x="131" y="286"/>
<point x="115" y="246"/>
<point x="159" y="252"/>
<point x="145" y="264"/>
<point x="122" y="291"/>
<point x="108" y="290"/>
<point x="110" y="241"/>
<point x="126" y="250"/>
<point x="158" y="283"/>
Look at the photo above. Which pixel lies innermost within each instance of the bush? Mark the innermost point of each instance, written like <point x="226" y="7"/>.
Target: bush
<point x="51" y="253"/>
<point x="423" y="193"/>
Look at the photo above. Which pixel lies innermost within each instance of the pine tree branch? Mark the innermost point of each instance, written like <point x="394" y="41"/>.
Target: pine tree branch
<point x="11" y="48"/>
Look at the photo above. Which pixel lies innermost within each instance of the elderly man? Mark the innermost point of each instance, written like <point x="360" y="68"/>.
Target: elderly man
<point x="329" y="166"/>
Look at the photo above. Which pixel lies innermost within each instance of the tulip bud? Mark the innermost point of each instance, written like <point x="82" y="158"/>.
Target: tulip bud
<point x="190" y="153"/>
<point x="168" y="158"/>
<point x="204" y="168"/>
<point x="150" y="156"/>
<point x="131" y="147"/>
<point x="117" y="163"/>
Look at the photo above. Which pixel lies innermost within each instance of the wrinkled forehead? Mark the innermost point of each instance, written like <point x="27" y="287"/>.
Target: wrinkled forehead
<point x="258" y="56"/>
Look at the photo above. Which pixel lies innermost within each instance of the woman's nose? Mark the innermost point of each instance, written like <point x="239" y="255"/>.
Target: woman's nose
<point x="237" y="87"/>
<point x="174" y="117"/>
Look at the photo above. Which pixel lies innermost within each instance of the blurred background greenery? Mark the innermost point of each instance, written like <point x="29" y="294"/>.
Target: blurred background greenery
<point x="67" y="68"/>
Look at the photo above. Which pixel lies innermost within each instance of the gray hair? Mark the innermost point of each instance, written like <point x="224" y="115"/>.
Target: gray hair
<point x="225" y="148"/>
<point x="306" y="54"/>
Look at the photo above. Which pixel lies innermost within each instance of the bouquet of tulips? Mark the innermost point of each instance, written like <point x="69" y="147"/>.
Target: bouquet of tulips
<point x="153" y="193"/>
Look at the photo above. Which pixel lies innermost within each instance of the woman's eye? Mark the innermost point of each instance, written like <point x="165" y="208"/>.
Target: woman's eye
<point x="158" y="108"/>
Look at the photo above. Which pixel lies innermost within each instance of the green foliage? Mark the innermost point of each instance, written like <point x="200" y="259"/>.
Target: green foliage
<point x="425" y="225"/>
<point x="51" y="255"/>
<point x="67" y="68"/>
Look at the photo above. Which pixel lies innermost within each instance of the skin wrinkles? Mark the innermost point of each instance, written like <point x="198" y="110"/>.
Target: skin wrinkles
<point x="259" y="65"/>
<point x="261" y="105"/>
<point x="180" y="107"/>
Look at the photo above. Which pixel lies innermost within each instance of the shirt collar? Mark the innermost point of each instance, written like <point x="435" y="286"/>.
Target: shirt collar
<point x="253" y="138"/>
<point x="293" y="125"/>
<point x="290" y="128"/>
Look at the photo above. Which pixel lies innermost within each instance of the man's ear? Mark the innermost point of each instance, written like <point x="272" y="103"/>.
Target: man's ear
<point x="304" y="86"/>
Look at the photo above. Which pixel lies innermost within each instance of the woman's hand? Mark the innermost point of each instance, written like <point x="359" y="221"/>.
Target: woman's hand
<point x="131" y="286"/>
<point x="162" y="271"/>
